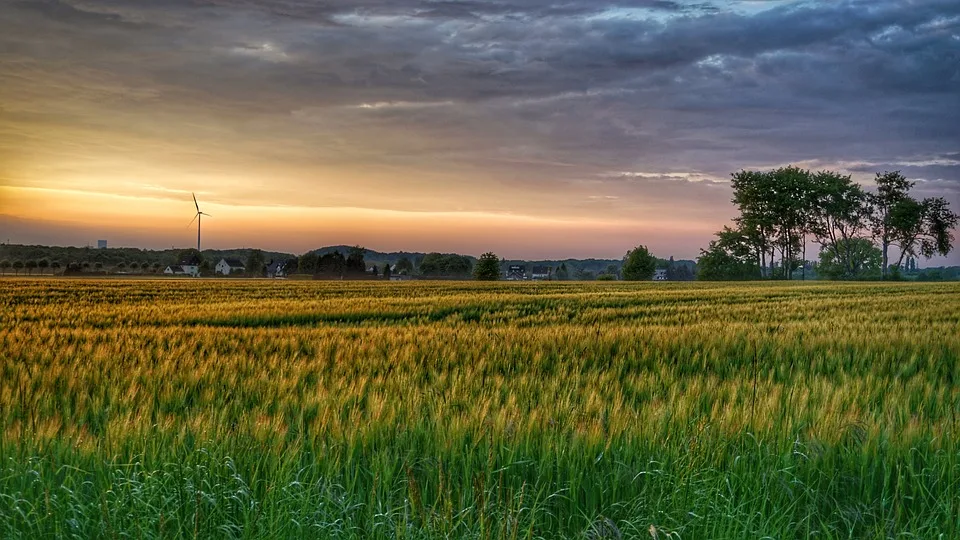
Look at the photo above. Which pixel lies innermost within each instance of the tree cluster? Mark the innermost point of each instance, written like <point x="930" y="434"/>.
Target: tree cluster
<point x="446" y="265"/>
<point x="781" y="210"/>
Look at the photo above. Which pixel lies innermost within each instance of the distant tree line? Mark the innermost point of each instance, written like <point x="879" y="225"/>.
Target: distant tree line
<point x="781" y="210"/>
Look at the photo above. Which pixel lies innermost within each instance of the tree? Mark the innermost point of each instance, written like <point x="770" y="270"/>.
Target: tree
<point x="774" y="209"/>
<point x="638" y="265"/>
<point x="855" y="258"/>
<point x="387" y="272"/>
<point x="728" y="258"/>
<point x="121" y="265"/>
<point x="308" y="262"/>
<point x="98" y="265"/>
<point x="839" y="214"/>
<point x="331" y="265"/>
<point x="374" y="271"/>
<point x="30" y="265"/>
<point x="582" y="274"/>
<point x="404" y="267"/>
<point x="562" y="274"/>
<point x="256" y="263"/>
<point x="291" y="266"/>
<point x="55" y="265"/>
<point x="445" y="265"/>
<point x="757" y="221"/>
<point x="928" y="231"/>
<point x="354" y="262"/>
<point x="488" y="267"/>
<point x="17" y="265"/>
<point x="156" y="267"/>
<point x="134" y="265"/>
<point x="43" y="264"/>
<point x="4" y="264"/>
<point x="916" y="227"/>
<point x="890" y="211"/>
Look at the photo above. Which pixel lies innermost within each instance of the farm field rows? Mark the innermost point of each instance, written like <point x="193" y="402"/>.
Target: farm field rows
<point x="272" y="409"/>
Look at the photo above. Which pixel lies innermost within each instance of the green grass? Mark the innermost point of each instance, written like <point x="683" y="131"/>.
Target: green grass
<point x="251" y="409"/>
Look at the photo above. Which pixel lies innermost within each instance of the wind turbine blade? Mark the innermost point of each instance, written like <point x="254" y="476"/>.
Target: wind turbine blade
<point x="206" y="214"/>
<point x="195" y="202"/>
<point x="194" y="219"/>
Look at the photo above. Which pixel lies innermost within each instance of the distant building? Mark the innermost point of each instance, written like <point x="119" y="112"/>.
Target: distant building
<point x="191" y="265"/>
<point x="540" y="272"/>
<point x="276" y="269"/>
<point x="660" y="274"/>
<point x="516" y="272"/>
<point x="174" y="270"/>
<point x="230" y="266"/>
<point x="101" y="244"/>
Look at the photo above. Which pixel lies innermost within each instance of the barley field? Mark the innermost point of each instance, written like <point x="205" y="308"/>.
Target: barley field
<point x="270" y="409"/>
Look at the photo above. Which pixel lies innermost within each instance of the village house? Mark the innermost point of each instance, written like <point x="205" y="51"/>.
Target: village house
<point x="660" y="274"/>
<point x="174" y="270"/>
<point x="230" y="266"/>
<point x="516" y="272"/>
<point x="276" y="269"/>
<point x="540" y="272"/>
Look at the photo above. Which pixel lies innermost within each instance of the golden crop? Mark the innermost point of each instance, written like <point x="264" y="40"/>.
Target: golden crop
<point x="471" y="375"/>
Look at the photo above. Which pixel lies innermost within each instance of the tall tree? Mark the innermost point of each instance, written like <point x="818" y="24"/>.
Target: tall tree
<point x="488" y="267"/>
<point x="928" y="228"/>
<point x="638" y="264"/>
<point x="307" y="263"/>
<point x="891" y="210"/>
<point x="839" y="214"/>
<point x="256" y="263"/>
<point x="757" y="220"/>
<point x="915" y="227"/>
<point x="355" y="263"/>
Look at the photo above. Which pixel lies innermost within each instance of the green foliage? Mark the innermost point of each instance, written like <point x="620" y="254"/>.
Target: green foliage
<point x="404" y="267"/>
<point x="562" y="274"/>
<point x="725" y="261"/>
<point x="308" y="263"/>
<point x="256" y="263"/>
<point x="638" y="265"/>
<point x="445" y="265"/>
<point x="860" y="260"/>
<point x="488" y="267"/>
<point x="354" y="263"/>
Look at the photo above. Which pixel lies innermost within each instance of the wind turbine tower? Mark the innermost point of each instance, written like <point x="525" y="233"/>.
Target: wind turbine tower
<point x="197" y="219"/>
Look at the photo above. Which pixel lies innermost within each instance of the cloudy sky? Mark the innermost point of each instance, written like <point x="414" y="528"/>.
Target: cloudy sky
<point x="533" y="128"/>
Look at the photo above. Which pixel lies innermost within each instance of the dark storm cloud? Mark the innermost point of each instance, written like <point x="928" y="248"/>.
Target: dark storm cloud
<point x="577" y="95"/>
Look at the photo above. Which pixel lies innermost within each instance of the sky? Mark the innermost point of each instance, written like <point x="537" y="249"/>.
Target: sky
<point x="531" y="128"/>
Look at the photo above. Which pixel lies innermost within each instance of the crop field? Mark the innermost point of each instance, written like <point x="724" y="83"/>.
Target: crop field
<point x="270" y="409"/>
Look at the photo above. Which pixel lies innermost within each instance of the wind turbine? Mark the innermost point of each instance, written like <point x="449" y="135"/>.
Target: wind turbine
<point x="197" y="219"/>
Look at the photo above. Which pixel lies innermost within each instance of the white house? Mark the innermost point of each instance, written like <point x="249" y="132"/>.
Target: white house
<point x="540" y="272"/>
<point x="276" y="269"/>
<point x="229" y="266"/>
<point x="174" y="270"/>
<point x="660" y="274"/>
